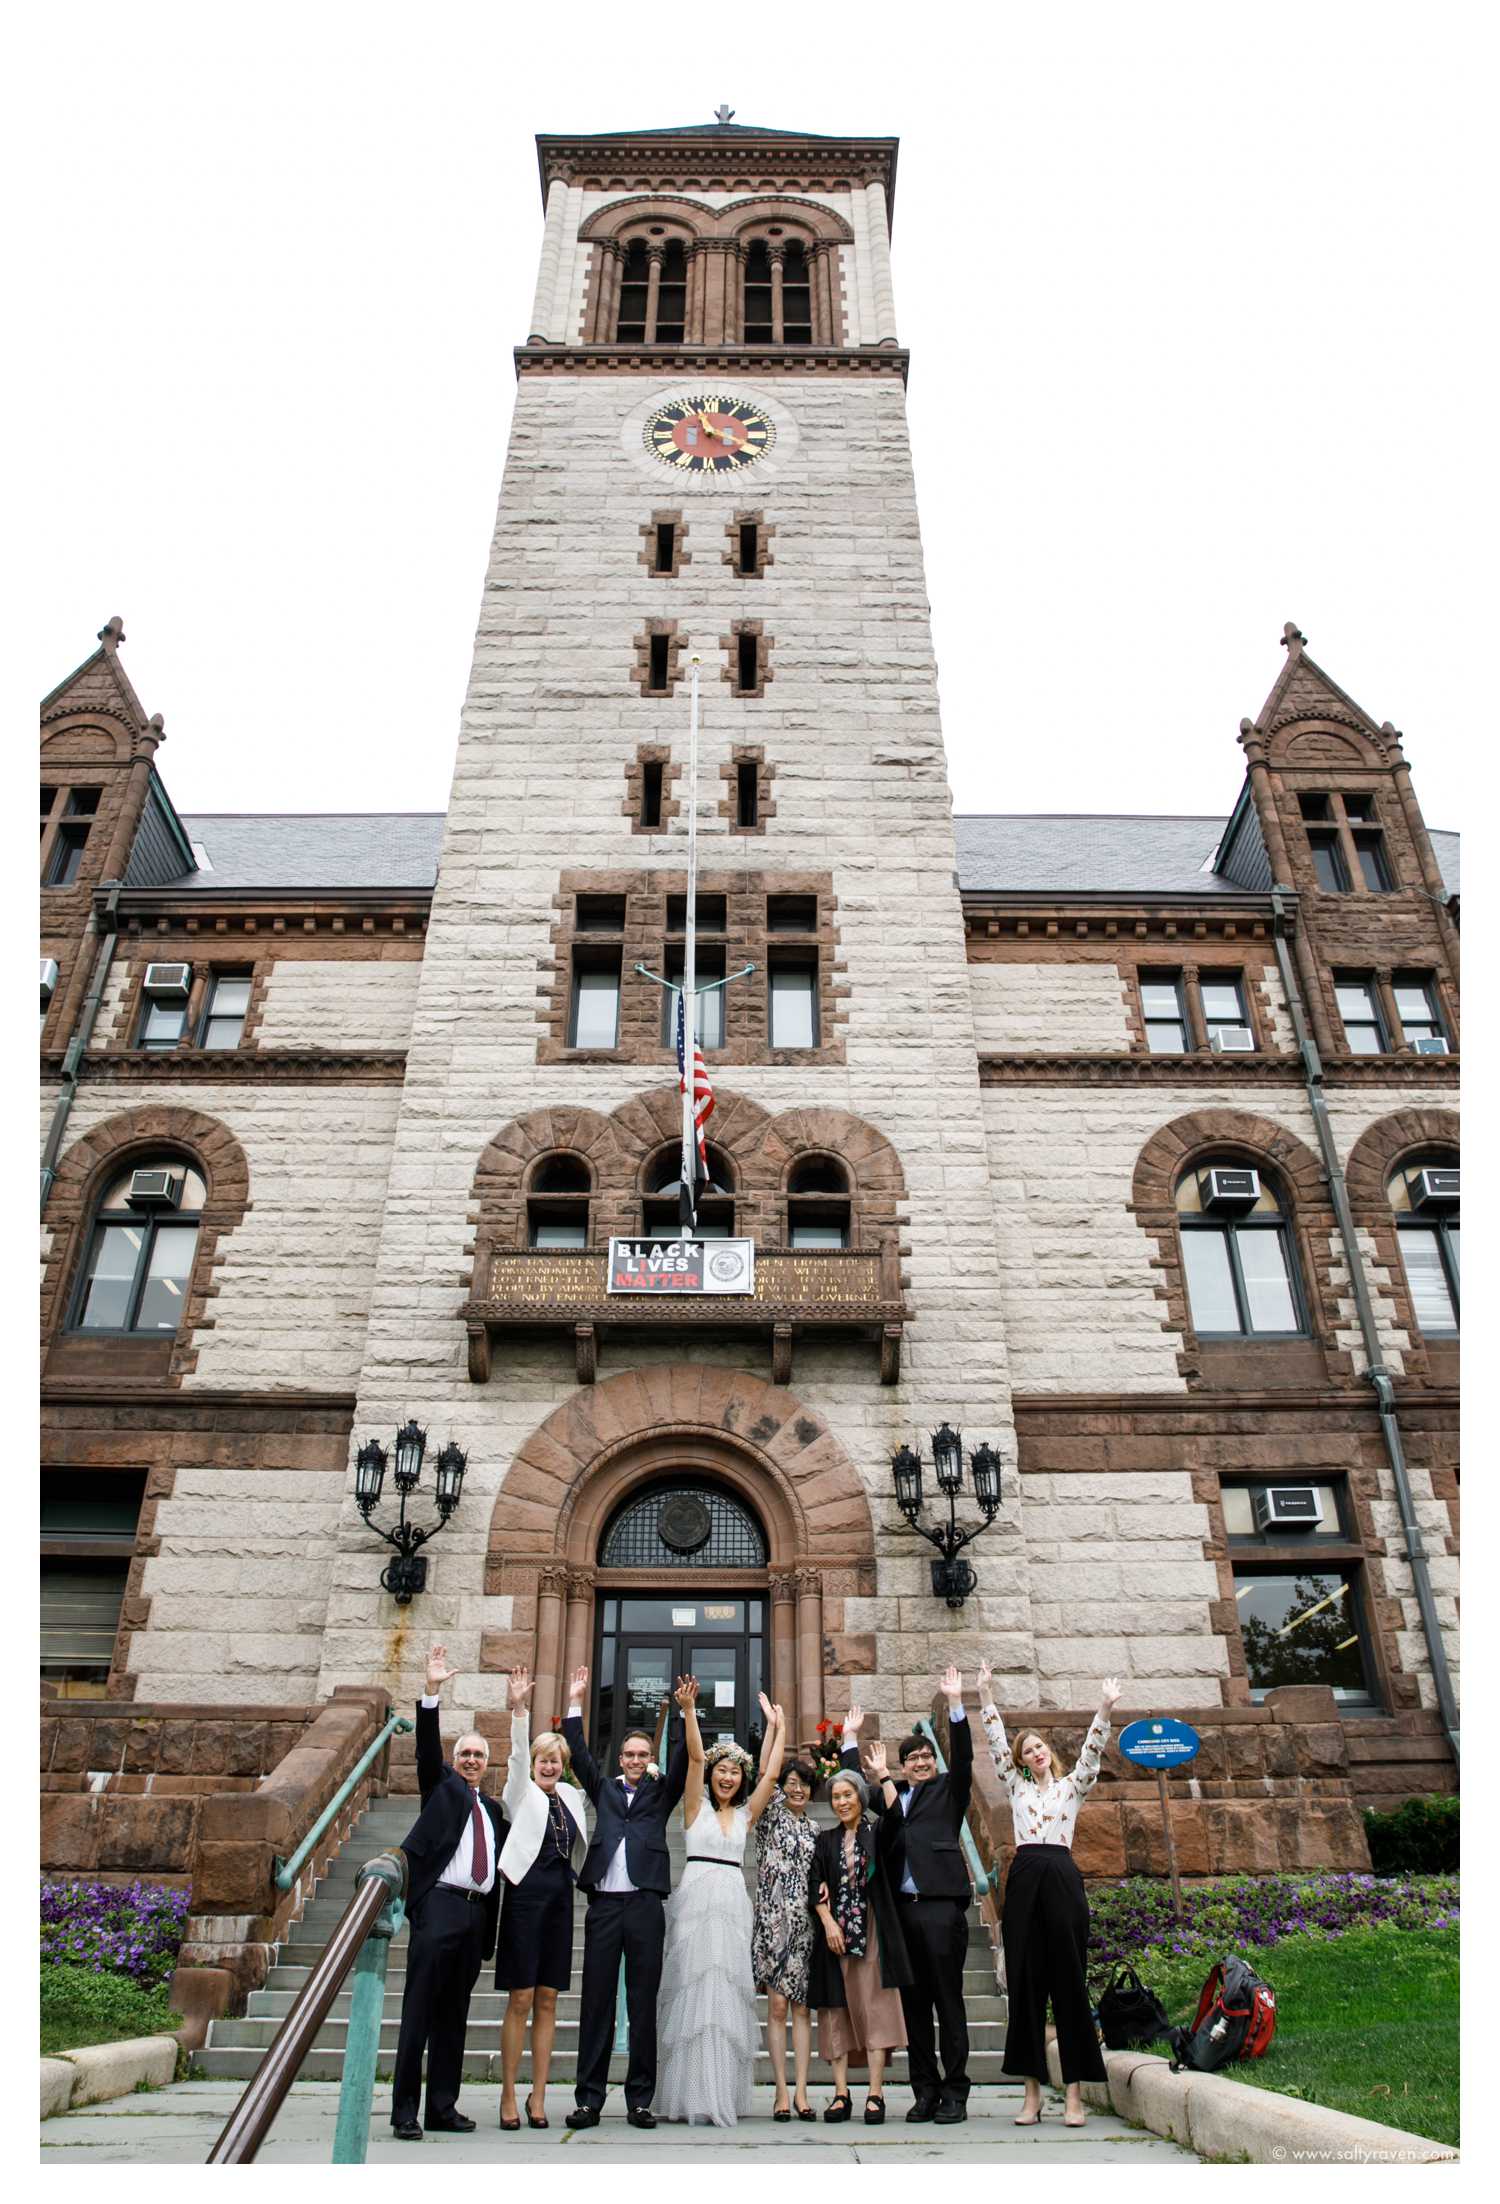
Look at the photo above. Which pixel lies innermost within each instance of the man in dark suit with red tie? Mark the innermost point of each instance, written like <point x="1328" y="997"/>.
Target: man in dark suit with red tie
<point x="453" y="1905"/>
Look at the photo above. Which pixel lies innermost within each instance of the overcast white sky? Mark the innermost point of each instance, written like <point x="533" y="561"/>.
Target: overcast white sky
<point x="1216" y="363"/>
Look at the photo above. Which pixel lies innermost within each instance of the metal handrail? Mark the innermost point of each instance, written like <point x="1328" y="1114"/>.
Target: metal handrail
<point x="366" y="1926"/>
<point x="287" y="1870"/>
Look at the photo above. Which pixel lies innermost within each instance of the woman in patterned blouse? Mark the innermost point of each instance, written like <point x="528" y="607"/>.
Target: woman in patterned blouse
<point x="1045" y="1923"/>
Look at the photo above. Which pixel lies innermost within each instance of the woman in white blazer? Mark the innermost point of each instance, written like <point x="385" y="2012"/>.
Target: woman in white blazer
<point x="534" y="1959"/>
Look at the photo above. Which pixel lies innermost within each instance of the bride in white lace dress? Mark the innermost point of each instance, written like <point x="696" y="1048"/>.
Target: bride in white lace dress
<point x="708" y="2030"/>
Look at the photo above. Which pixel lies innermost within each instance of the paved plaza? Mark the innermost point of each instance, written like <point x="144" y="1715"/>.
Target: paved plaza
<point x="177" y="2126"/>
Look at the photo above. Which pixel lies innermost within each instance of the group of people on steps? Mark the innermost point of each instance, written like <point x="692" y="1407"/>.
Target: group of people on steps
<point x="863" y="1924"/>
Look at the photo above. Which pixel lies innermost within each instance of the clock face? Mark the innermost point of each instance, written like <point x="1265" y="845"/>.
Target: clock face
<point x="710" y="434"/>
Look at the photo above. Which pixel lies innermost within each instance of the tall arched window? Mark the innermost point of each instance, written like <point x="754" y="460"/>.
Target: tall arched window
<point x="1424" y="1196"/>
<point x="653" y="292"/>
<point x="634" y="283"/>
<point x="140" y="1256"/>
<point x="1237" y="1252"/>
<point x="796" y="296"/>
<point x="557" y="1208"/>
<point x="758" y="293"/>
<point x="817" y="1203"/>
<point x="661" y="1216"/>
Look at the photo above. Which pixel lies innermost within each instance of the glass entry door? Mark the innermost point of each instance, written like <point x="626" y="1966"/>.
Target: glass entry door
<point x="645" y="1643"/>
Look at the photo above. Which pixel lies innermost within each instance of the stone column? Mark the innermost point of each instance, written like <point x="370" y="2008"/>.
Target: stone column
<point x="655" y="255"/>
<point x="776" y="254"/>
<point x="784" y="1647"/>
<point x="821" y="257"/>
<point x="579" y="1634"/>
<point x="697" y="269"/>
<point x="880" y="265"/>
<point x="552" y="1584"/>
<point x="809" y="1650"/>
<point x="544" y="329"/>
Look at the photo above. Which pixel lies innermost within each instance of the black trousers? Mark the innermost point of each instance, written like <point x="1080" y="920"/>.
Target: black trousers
<point x="937" y="1942"/>
<point x="1045" y="1927"/>
<point x="632" y="1924"/>
<point x="442" y="1967"/>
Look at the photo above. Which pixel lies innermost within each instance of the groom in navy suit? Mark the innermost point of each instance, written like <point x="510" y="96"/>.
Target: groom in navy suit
<point x="453" y="1904"/>
<point x="628" y="1877"/>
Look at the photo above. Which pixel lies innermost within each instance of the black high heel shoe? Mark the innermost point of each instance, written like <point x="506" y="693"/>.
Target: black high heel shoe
<point x="531" y="2119"/>
<point x="781" y="2115"/>
<point x="874" y="2111"/>
<point x="804" y="2112"/>
<point x="510" y="2126"/>
<point x="842" y="2108"/>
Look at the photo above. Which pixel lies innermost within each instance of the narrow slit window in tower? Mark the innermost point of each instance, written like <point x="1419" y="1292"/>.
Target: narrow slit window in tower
<point x="749" y="559"/>
<point x="749" y="661"/>
<point x="651" y="794"/>
<point x="658" y="676"/>
<point x="666" y="546"/>
<point x="747" y="795"/>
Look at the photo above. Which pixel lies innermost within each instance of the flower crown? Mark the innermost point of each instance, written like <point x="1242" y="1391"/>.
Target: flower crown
<point x="727" y="1749"/>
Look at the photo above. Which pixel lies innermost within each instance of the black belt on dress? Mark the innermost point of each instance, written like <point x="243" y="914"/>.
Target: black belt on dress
<point x="711" y="1859"/>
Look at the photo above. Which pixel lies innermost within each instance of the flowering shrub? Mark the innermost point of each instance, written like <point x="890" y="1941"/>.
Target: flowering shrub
<point x="132" y="1929"/>
<point x="1247" y="1912"/>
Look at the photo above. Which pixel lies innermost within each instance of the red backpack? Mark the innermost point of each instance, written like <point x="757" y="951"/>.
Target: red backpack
<point x="1236" y="2019"/>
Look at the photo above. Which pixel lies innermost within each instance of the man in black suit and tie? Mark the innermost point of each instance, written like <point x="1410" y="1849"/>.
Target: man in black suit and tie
<point x="453" y="1904"/>
<point x="930" y="1883"/>
<point x="628" y="1878"/>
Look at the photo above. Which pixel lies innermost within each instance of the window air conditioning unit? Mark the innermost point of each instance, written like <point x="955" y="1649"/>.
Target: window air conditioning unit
<point x="49" y="979"/>
<point x="1431" y="1044"/>
<point x="1231" y="1189"/>
<point x="168" y="980"/>
<point x="1287" y="1508"/>
<point x="154" y="1190"/>
<point x="1231" y="1040"/>
<point x="1434" y="1189"/>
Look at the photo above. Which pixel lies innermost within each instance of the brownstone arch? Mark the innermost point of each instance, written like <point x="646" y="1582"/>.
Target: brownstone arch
<point x="754" y="1440"/>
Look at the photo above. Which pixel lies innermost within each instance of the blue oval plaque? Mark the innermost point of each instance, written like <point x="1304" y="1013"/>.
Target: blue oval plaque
<point x="1159" y="1742"/>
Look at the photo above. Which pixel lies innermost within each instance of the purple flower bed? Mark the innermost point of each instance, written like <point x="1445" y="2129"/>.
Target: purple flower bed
<point x="132" y="1929"/>
<point x="1246" y="1912"/>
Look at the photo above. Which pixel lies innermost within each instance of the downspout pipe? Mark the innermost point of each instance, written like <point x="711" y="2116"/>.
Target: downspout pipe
<point x="106" y="925"/>
<point x="1375" y="1369"/>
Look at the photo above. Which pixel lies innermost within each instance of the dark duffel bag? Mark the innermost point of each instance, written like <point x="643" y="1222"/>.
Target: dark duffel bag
<point x="1236" y="2019"/>
<point x="1129" y="2014"/>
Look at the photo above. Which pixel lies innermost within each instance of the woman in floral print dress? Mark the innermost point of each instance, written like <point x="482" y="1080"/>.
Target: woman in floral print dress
<point x="1045" y="1922"/>
<point x="781" y="1942"/>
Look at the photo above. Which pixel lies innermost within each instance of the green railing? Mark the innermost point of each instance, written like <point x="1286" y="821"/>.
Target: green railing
<point x="287" y="1871"/>
<point x="360" y="1942"/>
<point x="351" y="2135"/>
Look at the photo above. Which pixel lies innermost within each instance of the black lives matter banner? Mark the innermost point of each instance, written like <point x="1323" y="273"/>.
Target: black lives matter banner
<point x="682" y="1266"/>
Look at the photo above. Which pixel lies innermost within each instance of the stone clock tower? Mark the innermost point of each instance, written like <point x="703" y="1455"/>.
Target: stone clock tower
<point x="709" y="459"/>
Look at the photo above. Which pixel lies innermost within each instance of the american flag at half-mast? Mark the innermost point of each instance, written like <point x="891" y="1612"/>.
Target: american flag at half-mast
<point x="703" y="1110"/>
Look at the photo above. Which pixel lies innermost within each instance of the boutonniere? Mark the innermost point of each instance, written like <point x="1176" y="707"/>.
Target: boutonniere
<point x="652" y="1768"/>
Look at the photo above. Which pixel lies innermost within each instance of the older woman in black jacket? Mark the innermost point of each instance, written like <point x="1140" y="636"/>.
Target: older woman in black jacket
<point x="859" y="1960"/>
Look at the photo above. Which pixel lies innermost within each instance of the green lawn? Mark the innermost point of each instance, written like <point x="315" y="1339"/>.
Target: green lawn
<point x="1366" y="2023"/>
<point x="79" y="2007"/>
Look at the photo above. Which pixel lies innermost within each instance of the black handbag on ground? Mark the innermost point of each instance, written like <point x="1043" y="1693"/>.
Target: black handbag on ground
<point x="1130" y="2015"/>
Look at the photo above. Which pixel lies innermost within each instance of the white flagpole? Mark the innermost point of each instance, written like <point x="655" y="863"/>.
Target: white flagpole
<point x="690" y="956"/>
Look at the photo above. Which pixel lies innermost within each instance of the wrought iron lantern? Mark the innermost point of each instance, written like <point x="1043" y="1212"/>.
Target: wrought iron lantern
<point x="953" y="1579"/>
<point x="406" y="1574"/>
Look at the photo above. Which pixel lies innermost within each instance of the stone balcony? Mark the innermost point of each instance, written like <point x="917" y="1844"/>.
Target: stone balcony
<point x="799" y="1293"/>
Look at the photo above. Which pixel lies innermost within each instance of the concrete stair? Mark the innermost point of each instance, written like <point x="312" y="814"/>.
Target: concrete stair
<point x="235" y="2047"/>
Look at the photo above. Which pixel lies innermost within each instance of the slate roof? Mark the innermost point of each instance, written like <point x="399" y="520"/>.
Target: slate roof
<point x="1110" y="853"/>
<point x="323" y="849"/>
<point x="1081" y="852"/>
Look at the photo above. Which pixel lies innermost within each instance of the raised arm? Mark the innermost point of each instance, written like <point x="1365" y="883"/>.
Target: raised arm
<point x="518" y="1773"/>
<point x="994" y="1726"/>
<point x="585" y="1767"/>
<point x="1086" y="1767"/>
<point x="429" y="1728"/>
<point x="686" y="1695"/>
<point x="770" y="1760"/>
<point x="960" y="1742"/>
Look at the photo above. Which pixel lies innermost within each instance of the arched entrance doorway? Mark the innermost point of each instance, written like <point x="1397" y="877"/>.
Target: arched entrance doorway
<point x="790" y="1543"/>
<point x="682" y="1587"/>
